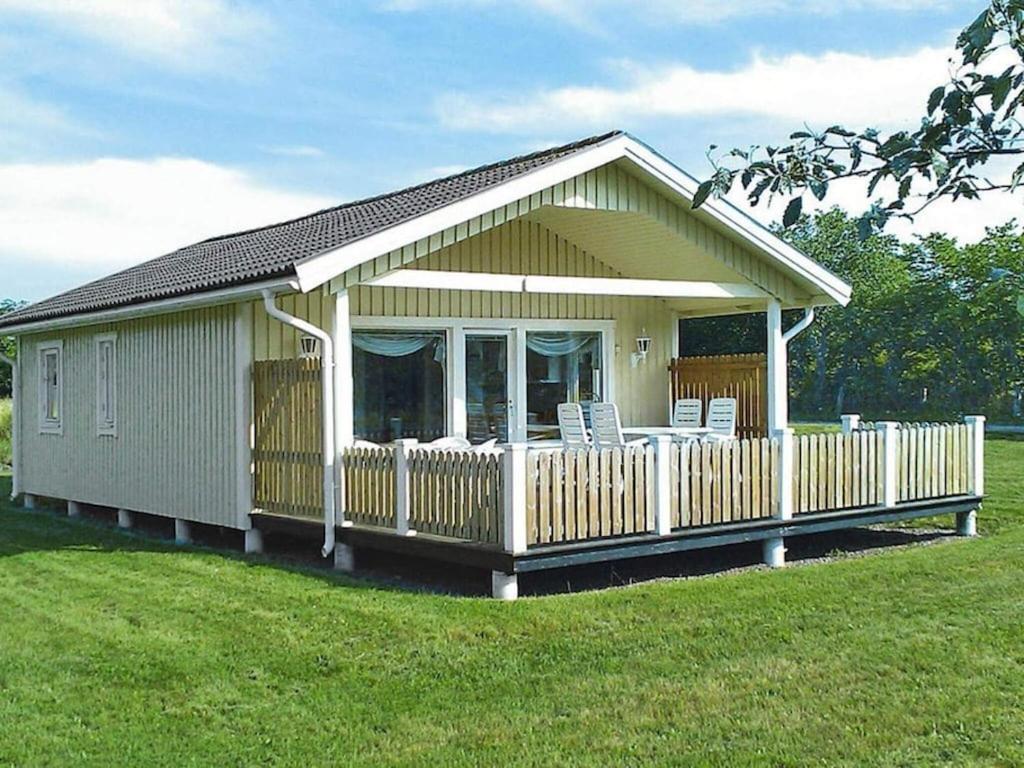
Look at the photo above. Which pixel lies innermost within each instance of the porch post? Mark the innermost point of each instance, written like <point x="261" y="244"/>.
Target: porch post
<point x="851" y="422"/>
<point x="505" y="586"/>
<point x="888" y="435"/>
<point x="967" y="522"/>
<point x="402" y="485"/>
<point x="774" y="549"/>
<point x="662" y="484"/>
<point x="341" y="334"/>
<point x="778" y="385"/>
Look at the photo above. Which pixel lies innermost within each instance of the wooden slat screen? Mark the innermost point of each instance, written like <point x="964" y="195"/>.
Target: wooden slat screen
<point x="724" y="482"/>
<point x="743" y="377"/>
<point x="588" y="494"/>
<point x="287" y="463"/>
<point x="836" y="471"/>
<point x="932" y="460"/>
<point x="456" y="493"/>
<point x="369" y="478"/>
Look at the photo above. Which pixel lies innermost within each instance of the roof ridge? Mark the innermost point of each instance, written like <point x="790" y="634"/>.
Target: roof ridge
<point x="572" y="145"/>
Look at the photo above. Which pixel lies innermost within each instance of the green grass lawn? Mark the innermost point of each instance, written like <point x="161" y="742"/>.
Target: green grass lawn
<point x="123" y="650"/>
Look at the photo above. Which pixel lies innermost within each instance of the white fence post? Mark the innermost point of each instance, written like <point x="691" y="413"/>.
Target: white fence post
<point x="851" y="422"/>
<point x="967" y="522"/>
<point x="775" y="547"/>
<point x="402" y="485"/>
<point x="976" y="452"/>
<point x="514" y="460"/>
<point x="888" y="434"/>
<point x="662" y="484"/>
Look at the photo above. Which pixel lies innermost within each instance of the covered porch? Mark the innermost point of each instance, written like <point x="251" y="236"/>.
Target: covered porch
<point x="476" y="324"/>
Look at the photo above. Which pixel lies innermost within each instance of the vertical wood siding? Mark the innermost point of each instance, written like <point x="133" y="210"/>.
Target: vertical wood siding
<point x="174" y="453"/>
<point x="609" y="188"/>
<point x="516" y="247"/>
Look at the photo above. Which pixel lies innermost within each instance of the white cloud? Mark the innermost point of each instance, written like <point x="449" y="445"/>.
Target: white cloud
<point x="965" y="220"/>
<point x="185" y="33"/>
<point x="823" y="89"/>
<point x="109" y="213"/>
<point x="295" y="150"/>
<point x="588" y="14"/>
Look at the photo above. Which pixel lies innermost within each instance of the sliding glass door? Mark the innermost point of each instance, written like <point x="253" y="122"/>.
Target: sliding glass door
<point x="488" y="386"/>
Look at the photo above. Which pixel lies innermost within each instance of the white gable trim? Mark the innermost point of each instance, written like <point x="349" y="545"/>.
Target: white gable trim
<point x="315" y="270"/>
<point x="752" y="231"/>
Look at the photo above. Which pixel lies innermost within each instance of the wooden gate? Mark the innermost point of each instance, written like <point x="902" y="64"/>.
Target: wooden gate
<point x="287" y="451"/>
<point x="744" y="377"/>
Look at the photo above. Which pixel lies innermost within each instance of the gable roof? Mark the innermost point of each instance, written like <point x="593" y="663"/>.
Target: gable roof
<point x="312" y="249"/>
<point x="272" y="251"/>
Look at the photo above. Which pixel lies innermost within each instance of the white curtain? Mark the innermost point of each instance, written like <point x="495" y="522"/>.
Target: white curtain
<point x="398" y="344"/>
<point x="559" y="343"/>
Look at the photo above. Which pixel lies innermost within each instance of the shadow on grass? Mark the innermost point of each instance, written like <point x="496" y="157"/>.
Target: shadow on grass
<point x="95" y="531"/>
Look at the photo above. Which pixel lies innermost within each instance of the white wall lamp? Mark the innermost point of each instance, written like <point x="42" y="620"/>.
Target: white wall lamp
<point x="309" y="347"/>
<point x="643" y="346"/>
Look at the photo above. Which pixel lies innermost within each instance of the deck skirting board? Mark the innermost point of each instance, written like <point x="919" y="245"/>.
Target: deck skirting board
<point x="723" y="535"/>
<point x="621" y="548"/>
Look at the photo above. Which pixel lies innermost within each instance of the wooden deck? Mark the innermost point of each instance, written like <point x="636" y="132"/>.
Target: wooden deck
<point x="515" y="510"/>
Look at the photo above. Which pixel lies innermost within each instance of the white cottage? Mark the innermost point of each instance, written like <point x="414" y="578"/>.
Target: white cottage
<point x="301" y="371"/>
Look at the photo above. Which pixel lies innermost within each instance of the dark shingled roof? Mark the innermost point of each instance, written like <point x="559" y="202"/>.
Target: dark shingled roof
<point x="272" y="251"/>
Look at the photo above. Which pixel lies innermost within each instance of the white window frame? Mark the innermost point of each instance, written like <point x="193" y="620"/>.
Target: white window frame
<point x="457" y="327"/>
<point x="108" y="427"/>
<point x="48" y="426"/>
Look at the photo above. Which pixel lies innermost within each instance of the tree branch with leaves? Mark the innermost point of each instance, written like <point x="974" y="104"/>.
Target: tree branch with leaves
<point x="971" y="121"/>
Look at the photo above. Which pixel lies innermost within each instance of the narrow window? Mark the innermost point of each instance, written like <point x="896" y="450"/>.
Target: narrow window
<point x="106" y="385"/>
<point x="51" y="387"/>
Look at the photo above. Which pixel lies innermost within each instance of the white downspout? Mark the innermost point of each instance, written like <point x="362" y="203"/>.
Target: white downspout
<point x="15" y="421"/>
<point x="805" y="321"/>
<point x="778" y="364"/>
<point x="327" y="367"/>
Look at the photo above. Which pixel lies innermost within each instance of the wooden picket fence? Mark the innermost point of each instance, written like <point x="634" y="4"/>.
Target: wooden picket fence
<point x="459" y="494"/>
<point x="724" y="482"/>
<point x="588" y="494"/>
<point x="287" y="463"/>
<point x="369" y="486"/>
<point x="833" y="471"/>
<point x="743" y="377"/>
<point x="932" y="460"/>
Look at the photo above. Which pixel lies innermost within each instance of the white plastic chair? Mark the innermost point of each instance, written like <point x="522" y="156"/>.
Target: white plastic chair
<point x="450" y="444"/>
<point x="570" y="424"/>
<point x="721" y="419"/>
<point x="604" y="420"/>
<point x="687" y="413"/>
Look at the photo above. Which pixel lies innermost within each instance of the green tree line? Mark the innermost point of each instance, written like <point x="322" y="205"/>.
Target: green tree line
<point x="934" y="329"/>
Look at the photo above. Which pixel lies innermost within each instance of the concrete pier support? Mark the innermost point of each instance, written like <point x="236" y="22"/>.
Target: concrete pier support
<point x="253" y="541"/>
<point x="967" y="523"/>
<point x="344" y="558"/>
<point x="125" y="519"/>
<point x="775" y="552"/>
<point x="74" y="509"/>
<point x="504" y="586"/>
<point x="182" y="532"/>
<point x="28" y="501"/>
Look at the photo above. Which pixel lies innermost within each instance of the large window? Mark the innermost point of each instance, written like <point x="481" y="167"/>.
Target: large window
<point x="106" y="385"/>
<point x="561" y="367"/>
<point x="51" y="387"/>
<point x="399" y="382"/>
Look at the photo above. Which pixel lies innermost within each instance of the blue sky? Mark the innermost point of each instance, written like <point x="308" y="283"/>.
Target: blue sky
<point x="130" y="127"/>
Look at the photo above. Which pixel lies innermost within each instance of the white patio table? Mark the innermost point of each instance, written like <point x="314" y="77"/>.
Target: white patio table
<point x="691" y="432"/>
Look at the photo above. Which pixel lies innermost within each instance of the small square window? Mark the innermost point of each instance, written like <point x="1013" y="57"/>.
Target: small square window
<point x="51" y="387"/>
<point x="106" y="385"/>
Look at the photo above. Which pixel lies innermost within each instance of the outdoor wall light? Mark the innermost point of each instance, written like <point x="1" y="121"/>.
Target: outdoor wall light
<point x="309" y="347"/>
<point x="643" y="346"/>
